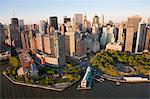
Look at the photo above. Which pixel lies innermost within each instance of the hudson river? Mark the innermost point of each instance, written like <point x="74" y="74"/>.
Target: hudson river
<point x="106" y="89"/>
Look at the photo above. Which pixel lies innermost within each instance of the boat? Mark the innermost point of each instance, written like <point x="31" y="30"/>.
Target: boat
<point x="117" y="83"/>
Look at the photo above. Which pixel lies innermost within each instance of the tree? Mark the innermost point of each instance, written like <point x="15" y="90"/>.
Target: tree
<point x="9" y="71"/>
<point x="48" y="80"/>
<point x="14" y="61"/>
<point x="69" y="66"/>
<point x="50" y="72"/>
<point x="14" y="72"/>
<point x="70" y="77"/>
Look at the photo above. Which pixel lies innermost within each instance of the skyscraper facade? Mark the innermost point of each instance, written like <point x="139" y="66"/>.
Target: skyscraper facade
<point x="78" y="19"/>
<point x="140" y="37"/>
<point x="14" y="21"/>
<point x="42" y="27"/>
<point x="39" y="42"/>
<point x="25" y="40"/>
<point x="53" y="22"/>
<point x="21" y="24"/>
<point x="67" y="19"/>
<point x="101" y="20"/>
<point x="149" y="20"/>
<point x="147" y="40"/>
<point x="95" y="20"/>
<point x="134" y="20"/>
<point x="129" y="38"/>
<point x="15" y="33"/>
<point x="46" y="44"/>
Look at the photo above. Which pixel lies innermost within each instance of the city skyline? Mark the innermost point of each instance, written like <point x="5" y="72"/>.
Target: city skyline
<point x="32" y="11"/>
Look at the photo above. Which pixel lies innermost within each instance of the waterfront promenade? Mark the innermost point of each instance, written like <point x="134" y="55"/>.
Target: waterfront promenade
<point x="106" y="89"/>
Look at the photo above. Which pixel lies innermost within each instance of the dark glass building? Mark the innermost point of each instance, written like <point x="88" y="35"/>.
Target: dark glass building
<point x="53" y="22"/>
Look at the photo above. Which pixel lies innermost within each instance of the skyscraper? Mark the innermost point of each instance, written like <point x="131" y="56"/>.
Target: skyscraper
<point x="14" y="21"/>
<point x="78" y="19"/>
<point x="76" y="47"/>
<point x="32" y="41"/>
<point x="21" y="24"/>
<point x="134" y="20"/>
<point x="39" y="42"/>
<point x="95" y="20"/>
<point x="54" y="46"/>
<point x="15" y="33"/>
<point x="120" y="34"/>
<point x="46" y="44"/>
<point x="107" y="35"/>
<point x="25" y="40"/>
<point x="149" y="20"/>
<point x="67" y="19"/>
<point x="140" y="37"/>
<point x="101" y="20"/>
<point x="2" y="34"/>
<point x="53" y="22"/>
<point x="147" y="40"/>
<point x="129" y="38"/>
<point x="42" y="27"/>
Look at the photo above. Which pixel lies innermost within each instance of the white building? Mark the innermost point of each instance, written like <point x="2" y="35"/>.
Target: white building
<point x="21" y="24"/>
<point x="42" y="27"/>
<point x="101" y="20"/>
<point x="141" y="34"/>
<point x="114" y="46"/>
<point x="107" y="36"/>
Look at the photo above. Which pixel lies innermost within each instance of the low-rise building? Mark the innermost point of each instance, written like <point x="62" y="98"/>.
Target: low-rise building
<point x="114" y="46"/>
<point x="28" y="65"/>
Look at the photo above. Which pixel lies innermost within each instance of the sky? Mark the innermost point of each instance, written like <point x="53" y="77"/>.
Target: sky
<point x="32" y="11"/>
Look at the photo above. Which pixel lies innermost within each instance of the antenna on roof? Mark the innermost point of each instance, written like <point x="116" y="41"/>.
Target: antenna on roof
<point x="13" y="13"/>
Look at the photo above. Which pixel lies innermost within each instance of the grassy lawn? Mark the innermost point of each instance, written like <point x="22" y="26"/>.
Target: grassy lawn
<point x="106" y="60"/>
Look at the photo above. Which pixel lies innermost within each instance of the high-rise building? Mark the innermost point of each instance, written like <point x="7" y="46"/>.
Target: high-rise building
<point x="95" y="20"/>
<point x="15" y="33"/>
<point x="134" y="20"/>
<point x="42" y="27"/>
<point x="120" y="34"/>
<point x="101" y="20"/>
<point x="78" y="22"/>
<point x="54" y="45"/>
<point x="71" y="37"/>
<point x="63" y="29"/>
<point x="140" y="37"/>
<point x="67" y="19"/>
<point x="25" y="40"/>
<point x="53" y="22"/>
<point x="78" y="19"/>
<point x="107" y="36"/>
<point x="95" y="46"/>
<point x="46" y="44"/>
<point x="32" y="41"/>
<point x="147" y="40"/>
<point x="34" y="27"/>
<point x="148" y="20"/>
<point x="14" y="21"/>
<point x="80" y="48"/>
<point x="2" y="34"/>
<point x="21" y="24"/>
<point x="129" y="38"/>
<point x="39" y="42"/>
<point x="75" y="45"/>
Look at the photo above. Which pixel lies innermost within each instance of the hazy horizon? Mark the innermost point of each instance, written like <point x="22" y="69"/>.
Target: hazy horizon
<point x="32" y="11"/>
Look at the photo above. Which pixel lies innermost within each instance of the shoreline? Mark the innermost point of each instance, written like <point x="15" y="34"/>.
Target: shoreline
<point x="41" y="86"/>
<point x="124" y="81"/>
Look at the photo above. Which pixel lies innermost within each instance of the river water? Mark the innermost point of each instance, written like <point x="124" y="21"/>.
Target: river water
<point x="106" y="89"/>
